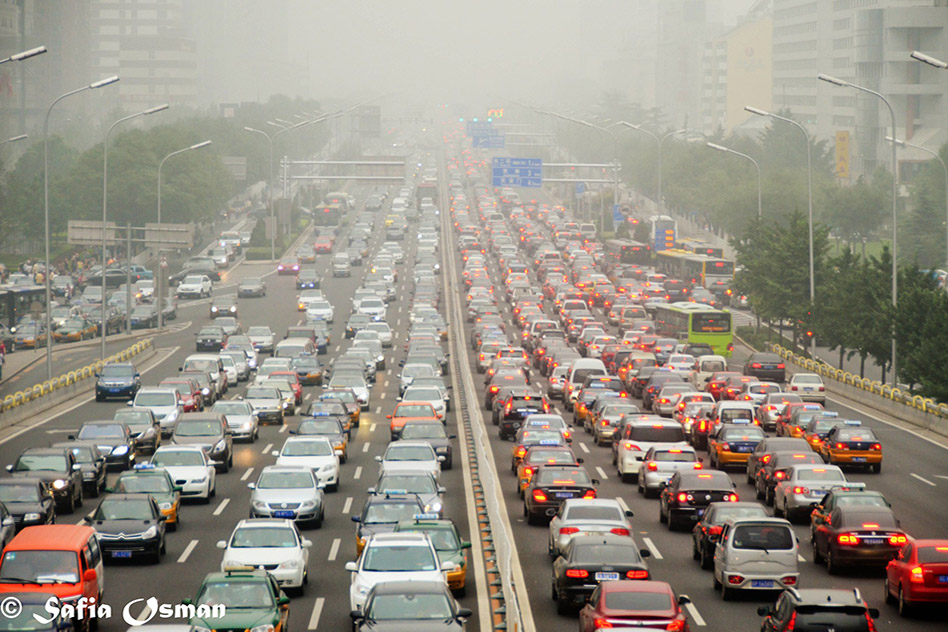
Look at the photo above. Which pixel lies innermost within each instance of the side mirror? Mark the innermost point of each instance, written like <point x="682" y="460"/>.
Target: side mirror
<point x="645" y="553"/>
<point x="356" y="518"/>
<point x="448" y="566"/>
<point x="442" y="490"/>
<point x="465" y="545"/>
<point x="352" y="567"/>
<point x="378" y="459"/>
<point x="595" y="481"/>
<point x="71" y="437"/>
<point x="129" y="403"/>
<point x="76" y="467"/>
<point x="874" y="613"/>
<point x="90" y="575"/>
<point x="453" y="436"/>
<point x="580" y="460"/>
<point x="762" y="611"/>
<point x="355" y="615"/>
<point x="464" y="613"/>
<point x="274" y="453"/>
<point x="222" y="544"/>
<point x="283" y="600"/>
<point x="251" y="486"/>
<point x="442" y="459"/>
<point x="629" y="513"/>
<point x="306" y="544"/>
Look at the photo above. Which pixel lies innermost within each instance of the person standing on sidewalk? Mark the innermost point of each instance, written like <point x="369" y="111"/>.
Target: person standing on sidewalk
<point x="3" y="357"/>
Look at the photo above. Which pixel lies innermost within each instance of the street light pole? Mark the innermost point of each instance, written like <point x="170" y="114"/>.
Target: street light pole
<point x="809" y="192"/>
<point x="33" y="52"/>
<point x="14" y="139"/>
<point x="895" y="192"/>
<point x="162" y="164"/>
<point x="49" y="299"/>
<point x="105" y="206"/>
<point x="661" y="143"/>
<point x="737" y="153"/>
<point x="615" y="156"/>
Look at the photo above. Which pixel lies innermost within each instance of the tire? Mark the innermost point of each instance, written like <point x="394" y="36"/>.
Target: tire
<point x="889" y="599"/>
<point x="875" y="469"/>
<point x="905" y="608"/>
<point x="817" y="556"/>
<point x="562" y="607"/>
<point x="727" y="594"/>
<point x="832" y="567"/>
<point x="779" y="512"/>
<point x="707" y="560"/>
<point x="715" y="582"/>
<point x="318" y="522"/>
<point x="662" y="518"/>
<point x="695" y="554"/>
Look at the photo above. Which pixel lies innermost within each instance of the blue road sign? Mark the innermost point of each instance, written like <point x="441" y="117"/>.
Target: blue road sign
<point x="517" y="172"/>
<point x="580" y="188"/>
<point x="617" y="216"/>
<point x="494" y="139"/>
<point x="477" y="128"/>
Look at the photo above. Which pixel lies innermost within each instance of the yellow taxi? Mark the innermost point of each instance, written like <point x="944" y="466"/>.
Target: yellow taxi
<point x="818" y="427"/>
<point x="851" y="443"/>
<point x="542" y="455"/>
<point x="528" y="437"/>
<point x="733" y="443"/>
<point x="75" y="330"/>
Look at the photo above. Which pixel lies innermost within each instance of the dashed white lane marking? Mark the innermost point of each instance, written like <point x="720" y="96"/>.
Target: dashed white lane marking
<point x="307" y="397"/>
<point x="695" y="615"/>
<point x="266" y="448"/>
<point x="602" y="473"/>
<point x="220" y="507"/>
<point x="358" y="473"/>
<point x="800" y="558"/>
<point x="334" y="549"/>
<point x="247" y="474"/>
<point x="284" y="428"/>
<point x="347" y="505"/>
<point x="652" y="548"/>
<point x="371" y="427"/>
<point x="317" y="611"/>
<point x="187" y="551"/>
<point x="924" y="480"/>
<point x="378" y="410"/>
<point x="365" y="446"/>
<point x="583" y="447"/>
<point x="386" y="384"/>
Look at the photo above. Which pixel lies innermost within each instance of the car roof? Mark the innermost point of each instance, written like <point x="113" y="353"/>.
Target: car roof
<point x="51" y="537"/>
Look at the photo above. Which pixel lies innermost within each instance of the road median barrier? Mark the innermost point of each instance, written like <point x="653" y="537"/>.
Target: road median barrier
<point x="29" y="402"/>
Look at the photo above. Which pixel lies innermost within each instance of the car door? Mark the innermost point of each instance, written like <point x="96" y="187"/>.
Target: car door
<point x="7" y="526"/>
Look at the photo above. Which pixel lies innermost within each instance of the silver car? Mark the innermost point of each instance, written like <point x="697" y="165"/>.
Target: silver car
<point x="354" y="382"/>
<point x="292" y="493"/>
<point x="266" y="402"/>
<point x="587" y="516"/>
<point x="419" y="482"/>
<point x="803" y="487"/>
<point x="661" y="463"/>
<point x="401" y="456"/>
<point x="164" y="403"/>
<point x="429" y="394"/>
<point x="241" y="418"/>
<point x="262" y="338"/>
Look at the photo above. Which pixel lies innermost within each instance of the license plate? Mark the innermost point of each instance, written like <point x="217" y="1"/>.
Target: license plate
<point x="743" y="448"/>
<point x="808" y="389"/>
<point x="563" y="495"/>
<point x="873" y="540"/>
<point x="943" y="579"/>
<point x="601" y="577"/>
<point x="121" y="553"/>
<point x="283" y="514"/>
<point x="859" y="459"/>
<point x="762" y="583"/>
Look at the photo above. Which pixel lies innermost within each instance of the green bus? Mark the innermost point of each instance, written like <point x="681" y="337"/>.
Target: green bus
<point x="696" y="323"/>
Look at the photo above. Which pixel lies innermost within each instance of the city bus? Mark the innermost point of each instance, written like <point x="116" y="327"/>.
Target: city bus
<point x="699" y="247"/>
<point x="19" y="301"/>
<point x="696" y="323"/>
<point x="663" y="232"/>
<point x="620" y="251"/>
<point x="699" y="269"/>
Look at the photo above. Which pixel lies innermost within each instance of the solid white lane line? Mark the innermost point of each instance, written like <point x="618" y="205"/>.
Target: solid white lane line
<point x="220" y="507"/>
<point x="652" y="548"/>
<point x="602" y="473"/>
<point x="800" y="558"/>
<point x="365" y="446"/>
<point x="695" y="615"/>
<point x="317" y="610"/>
<point x="247" y="474"/>
<point x="266" y="448"/>
<point x="924" y="480"/>
<point x="284" y="428"/>
<point x="583" y="447"/>
<point x="334" y="549"/>
<point x="358" y="473"/>
<point x="187" y="551"/>
<point x="347" y="505"/>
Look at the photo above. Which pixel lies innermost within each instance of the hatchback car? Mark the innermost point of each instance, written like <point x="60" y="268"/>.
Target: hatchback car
<point x="275" y="545"/>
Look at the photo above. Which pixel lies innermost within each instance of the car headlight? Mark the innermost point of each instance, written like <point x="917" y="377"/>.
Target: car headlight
<point x="220" y="445"/>
<point x="150" y="532"/>
<point x="120" y="450"/>
<point x="31" y="516"/>
<point x="199" y="481"/>
<point x="290" y="564"/>
<point x="362" y="590"/>
<point x="286" y="404"/>
<point x="173" y="415"/>
<point x="213" y="309"/>
<point x="59" y="483"/>
<point x="165" y="506"/>
<point x="262" y="628"/>
<point x="88" y="475"/>
<point x="246" y="425"/>
<point x="233" y="308"/>
<point x="433" y="507"/>
<point x="205" y="391"/>
<point x="308" y="503"/>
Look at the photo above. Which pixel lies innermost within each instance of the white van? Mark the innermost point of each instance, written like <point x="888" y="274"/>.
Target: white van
<point x="707" y="365"/>
<point x="210" y="362"/>
<point x="294" y="347"/>
<point x="755" y="554"/>
<point x="581" y="369"/>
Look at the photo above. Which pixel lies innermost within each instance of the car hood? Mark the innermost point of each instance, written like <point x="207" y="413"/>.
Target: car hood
<point x="418" y="625"/>
<point x="122" y="527"/>
<point x="20" y="508"/>
<point x="43" y="475"/>
<point x="189" y="472"/>
<point x="205" y="441"/>
<point x="237" y="619"/>
<point x="265" y="403"/>
<point x="259" y="556"/>
<point x="313" y="462"/>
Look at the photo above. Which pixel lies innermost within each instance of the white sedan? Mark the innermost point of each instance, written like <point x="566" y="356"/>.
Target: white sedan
<point x="191" y="468"/>
<point x="315" y="453"/>
<point x="402" y="456"/>
<point x="809" y="386"/>
<point x="320" y="310"/>
<point x="272" y="543"/>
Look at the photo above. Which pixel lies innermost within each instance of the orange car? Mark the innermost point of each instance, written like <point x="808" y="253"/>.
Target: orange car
<point x="409" y="411"/>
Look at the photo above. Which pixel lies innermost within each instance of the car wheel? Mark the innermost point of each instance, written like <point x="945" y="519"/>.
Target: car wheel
<point x="817" y="556"/>
<point x="715" y="582"/>
<point x="707" y="561"/>
<point x="889" y="599"/>
<point x="726" y="593"/>
<point x="695" y="554"/>
<point x="905" y="608"/>
<point x="875" y="468"/>
<point x="662" y="517"/>
<point x="832" y="567"/>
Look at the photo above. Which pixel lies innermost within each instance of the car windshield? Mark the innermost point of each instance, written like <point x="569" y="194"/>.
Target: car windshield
<point x="307" y="448"/>
<point x="112" y="370"/>
<point x="384" y="513"/>
<point x="263" y="537"/>
<point x="806" y="379"/>
<point x="155" y="399"/>
<point x="101" y="431"/>
<point x="259" y="331"/>
<point x="263" y="393"/>
<point x="83" y="454"/>
<point x="414" y="410"/>
<point x="133" y="417"/>
<point x="25" y="493"/>
<point x="144" y="484"/>
<point x="629" y="600"/>
<point x="237" y="595"/>
<point x="409" y="453"/>
<point x="606" y="553"/>
<point x="39" y="567"/>
<point x="411" y="483"/>
<point x="394" y="558"/>
<point x="40" y="463"/>
<point x="763" y="537"/>
<point x="286" y="480"/>
<point x="171" y="458"/>
<point x="124" y="509"/>
<point x="192" y="280"/>
<point x="728" y="512"/>
<point x="409" y="607"/>
<point x="855" y="434"/>
<point x="195" y="428"/>
<point x="232" y="408"/>
<point x="579" y="512"/>
<point x="742" y="433"/>
<point x="424" y="431"/>
<point x="558" y="476"/>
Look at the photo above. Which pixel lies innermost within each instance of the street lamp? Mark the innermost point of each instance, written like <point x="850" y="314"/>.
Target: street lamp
<point x="33" y="52"/>
<point x="162" y="164"/>
<point x="737" y="153"/>
<point x="809" y="193"/>
<point x="902" y="143"/>
<point x="895" y="188"/>
<point x="928" y="59"/>
<point x="661" y="143"/>
<point x="49" y="299"/>
<point x="105" y="205"/>
<point x="14" y="139"/>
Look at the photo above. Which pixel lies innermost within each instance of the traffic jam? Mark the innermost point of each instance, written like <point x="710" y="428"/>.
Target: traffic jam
<point x="297" y="451"/>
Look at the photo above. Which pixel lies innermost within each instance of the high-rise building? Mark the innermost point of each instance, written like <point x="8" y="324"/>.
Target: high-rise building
<point x="868" y="43"/>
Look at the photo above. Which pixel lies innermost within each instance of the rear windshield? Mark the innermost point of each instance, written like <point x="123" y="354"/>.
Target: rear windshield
<point x="933" y="555"/>
<point x="580" y="375"/>
<point x="594" y="513"/>
<point x="841" y="619"/>
<point x="762" y="536"/>
<point x="661" y="434"/>
<point x="611" y="553"/>
<point x="638" y="601"/>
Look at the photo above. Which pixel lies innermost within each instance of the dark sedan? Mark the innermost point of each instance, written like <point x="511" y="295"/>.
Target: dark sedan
<point x="551" y="485"/>
<point x="118" y="380"/>
<point x="766" y="366"/>
<point x="114" y="440"/>
<point x="143" y="426"/>
<point x="421" y="606"/>
<point x="129" y="526"/>
<point x="689" y="493"/>
<point x="28" y="500"/>
<point x="210" y="339"/>
<point x="209" y="271"/>
<point x="57" y="468"/>
<point x="590" y="559"/>
<point x="93" y="465"/>
<point x="144" y="316"/>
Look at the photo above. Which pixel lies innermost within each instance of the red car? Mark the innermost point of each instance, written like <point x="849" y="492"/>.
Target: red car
<point x="323" y="245"/>
<point x="918" y="575"/>
<point x="634" y="604"/>
<point x="190" y="391"/>
<point x="294" y="379"/>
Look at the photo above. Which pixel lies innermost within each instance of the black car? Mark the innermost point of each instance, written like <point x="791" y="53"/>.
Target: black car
<point x="382" y="512"/>
<point x="551" y="485"/>
<point x="328" y="427"/>
<point x="434" y="433"/>
<point x="29" y="501"/>
<point x="689" y="493"/>
<point x="307" y="279"/>
<point x="144" y="317"/>
<point x="422" y="606"/>
<point x="207" y="270"/>
<point x="766" y="367"/>
<point x="519" y="404"/>
<point x="590" y="559"/>
<point x="143" y="426"/>
<point x="58" y="469"/>
<point x="251" y="288"/>
<point x="129" y="526"/>
<point x="705" y="535"/>
<point x="223" y="306"/>
<point x="114" y="440"/>
<point x="93" y="465"/>
<point x="120" y="380"/>
<point x="31" y="605"/>
<point x="113" y="278"/>
<point x="818" y="609"/>
<point x="210" y="338"/>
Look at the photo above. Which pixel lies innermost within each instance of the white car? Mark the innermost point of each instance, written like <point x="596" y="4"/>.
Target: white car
<point x="809" y="386"/>
<point x="307" y="298"/>
<point x="316" y="453"/>
<point x="384" y="332"/>
<point x="429" y="394"/>
<point x="402" y="456"/>
<point x="261" y="337"/>
<point x="374" y="308"/>
<point x="271" y="543"/>
<point x="191" y="468"/>
<point x="320" y="310"/>
<point x="164" y="402"/>
<point x="194" y="286"/>
<point x="394" y="557"/>
<point x="680" y="362"/>
<point x="592" y="516"/>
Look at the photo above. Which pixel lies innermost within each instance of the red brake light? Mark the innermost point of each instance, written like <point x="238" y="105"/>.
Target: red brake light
<point x="620" y="531"/>
<point x="847" y="538"/>
<point x="915" y="575"/>
<point x="715" y="530"/>
<point x="569" y="530"/>
<point x="897" y="540"/>
<point x="682" y="497"/>
<point x="590" y="494"/>
<point x="577" y="573"/>
<point x="675" y="626"/>
<point x="601" y="624"/>
<point x="539" y="496"/>
<point x="637" y="575"/>
<point x="876" y="446"/>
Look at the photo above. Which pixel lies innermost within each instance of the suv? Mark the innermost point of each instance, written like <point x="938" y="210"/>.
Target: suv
<point x="638" y="435"/>
<point x="766" y="366"/>
<point x="840" y="610"/>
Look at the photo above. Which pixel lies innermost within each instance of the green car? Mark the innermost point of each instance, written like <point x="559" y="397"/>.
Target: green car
<point x="447" y="542"/>
<point x="156" y="481"/>
<point x="252" y="599"/>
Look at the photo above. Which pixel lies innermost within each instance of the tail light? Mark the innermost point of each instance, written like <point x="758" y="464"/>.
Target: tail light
<point x="781" y="366"/>
<point x="876" y="446"/>
<point x="725" y="447"/>
<point x="897" y="540"/>
<point x="789" y="580"/>
<point x="590" y="494"/>
<point x="731" y="498"/>
<point x="620" y="531"/>
<point x="792" y="623"/>
<point x="703" y="426"/>
<point x="915" y="575"/>
<point x="636" y="575"/>
<point x="765" y="458"/>
<point x="568" y="530"/>
<point x="756" y="365"/>
<point x="801" y="490"/>
<point x="577" y="573"/>
<point x="847" y="538"/>
<point x="779" y="475"/>
<point x="682" y="497"/>
<point x="528" y="471"/>
<point x="539" y="496"/>
<point x="652" y="466"/>
<point x="675" y="626"/>
<point x="697" y="465"/>
<point x="631" y="446"/>
<point x="842" y="446"/>
<point x="601" y="624"/>
<point x="521" y="451"/>
<point x="735" y="579"/>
